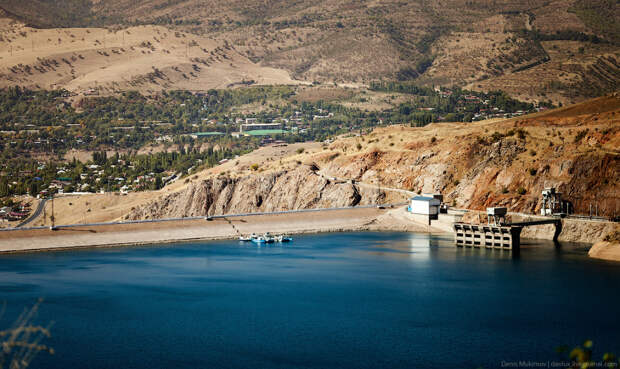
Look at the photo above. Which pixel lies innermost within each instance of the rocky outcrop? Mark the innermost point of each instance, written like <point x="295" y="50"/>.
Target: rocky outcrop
<point x="608" y="248"/>
<point x="605" y="250"/>
<point x="301" y="188"/>
<point x="504" y="164"/>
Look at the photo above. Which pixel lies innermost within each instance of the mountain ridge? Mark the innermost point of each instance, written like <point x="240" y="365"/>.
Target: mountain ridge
<point x="481" y="45"/>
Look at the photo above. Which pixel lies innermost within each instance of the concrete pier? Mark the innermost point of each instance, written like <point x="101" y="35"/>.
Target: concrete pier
<point x="487" y="236"/>
<point x="506" y="236"/>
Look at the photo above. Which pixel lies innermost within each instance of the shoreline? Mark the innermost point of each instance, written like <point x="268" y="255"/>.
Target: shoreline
<point x="173" y="231"/>
<point x="189" y="240"/>
<point x="198" y="229"/>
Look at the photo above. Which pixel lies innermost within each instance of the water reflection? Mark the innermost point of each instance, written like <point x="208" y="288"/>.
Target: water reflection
<point x="422" y="247"/>
<point x="414" y="246"/>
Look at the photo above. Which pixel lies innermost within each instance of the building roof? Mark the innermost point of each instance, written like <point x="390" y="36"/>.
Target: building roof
<point x="265" y="132"/>
<point x="199" y="134"/>
<point x="432" y="200"/>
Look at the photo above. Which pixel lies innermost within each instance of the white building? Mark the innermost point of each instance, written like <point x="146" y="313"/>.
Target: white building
<point x="424" y="205"/>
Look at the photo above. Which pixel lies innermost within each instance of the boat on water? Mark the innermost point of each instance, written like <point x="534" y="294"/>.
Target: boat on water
<point x="269" y="238"/>
<point x="247" y="238"/>
<point x="283" y="238"/>
<point x="259" y="239"/>
<point x="266" y="238"/>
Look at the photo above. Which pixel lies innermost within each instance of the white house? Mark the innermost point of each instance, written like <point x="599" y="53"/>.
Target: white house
<point x="425" y="205"/>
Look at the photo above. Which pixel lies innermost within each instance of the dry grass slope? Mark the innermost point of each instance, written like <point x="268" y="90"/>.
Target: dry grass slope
<point x="144" y="58"/>
<point x="480" y="44"/>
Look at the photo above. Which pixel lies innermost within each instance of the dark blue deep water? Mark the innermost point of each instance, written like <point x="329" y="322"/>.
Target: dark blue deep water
<point x="347" y="300"/>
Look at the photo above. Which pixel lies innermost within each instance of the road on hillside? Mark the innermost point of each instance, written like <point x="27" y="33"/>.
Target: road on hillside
<point x="367" y="185"/>
<point x="34" y="215"/>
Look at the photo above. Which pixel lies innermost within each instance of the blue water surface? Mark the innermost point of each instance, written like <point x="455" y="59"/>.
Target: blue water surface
<point x="343" y="300"/>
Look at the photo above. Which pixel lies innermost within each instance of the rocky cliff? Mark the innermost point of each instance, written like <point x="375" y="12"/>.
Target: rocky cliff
<point x="504" y="163"/>
<point x="300" y="188"/>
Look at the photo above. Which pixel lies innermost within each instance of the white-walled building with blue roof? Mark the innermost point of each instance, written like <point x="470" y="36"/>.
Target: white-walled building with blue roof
<point x="424" y="205"/>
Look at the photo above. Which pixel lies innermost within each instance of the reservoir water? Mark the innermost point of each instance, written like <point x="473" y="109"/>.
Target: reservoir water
<point x="343" y="300"/>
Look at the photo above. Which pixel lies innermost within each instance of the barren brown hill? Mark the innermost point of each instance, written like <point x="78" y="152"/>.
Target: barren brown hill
<point x="560" y="50"/>
<point x="144" y="58"/>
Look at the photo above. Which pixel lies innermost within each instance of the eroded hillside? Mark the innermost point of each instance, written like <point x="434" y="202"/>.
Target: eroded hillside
<point x="299" y="188"/>
<point x="504" y="163"/>
<point x="475" y="165"/>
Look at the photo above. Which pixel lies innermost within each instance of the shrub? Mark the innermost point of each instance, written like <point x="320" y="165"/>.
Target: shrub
<point x="433" y="139"/>
<point x="254" y="167"/>
<point x="580" y="135"/>
<point x="521" y="191"/>
<point x="359" y="146"/>
<point x="533" y="171"/>
<point x="496" y="136"/>
<point x="300" y="150"/>
<point x="504" y="189"/>
<point x="533" y="152"/>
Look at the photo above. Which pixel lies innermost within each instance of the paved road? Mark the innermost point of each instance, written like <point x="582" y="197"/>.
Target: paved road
<point x="34" y="215"/>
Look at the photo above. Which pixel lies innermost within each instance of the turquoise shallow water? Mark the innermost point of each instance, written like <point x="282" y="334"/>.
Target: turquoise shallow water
<point x="344" y="300"/>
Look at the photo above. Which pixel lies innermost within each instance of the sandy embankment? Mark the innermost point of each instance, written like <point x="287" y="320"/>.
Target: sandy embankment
<point x="173" y="231"/>
<point x="605" y="250"/>
<point x="609" y="247"/>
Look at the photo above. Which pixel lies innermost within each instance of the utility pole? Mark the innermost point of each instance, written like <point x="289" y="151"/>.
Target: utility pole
<point x="52" y="227"/>
<point x="379" y="187"/>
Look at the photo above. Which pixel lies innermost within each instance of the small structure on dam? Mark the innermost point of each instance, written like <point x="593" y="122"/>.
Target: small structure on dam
<point x="497" y="233"/>
<point x="553" y="204"/>
<point x="425" y="205"/>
